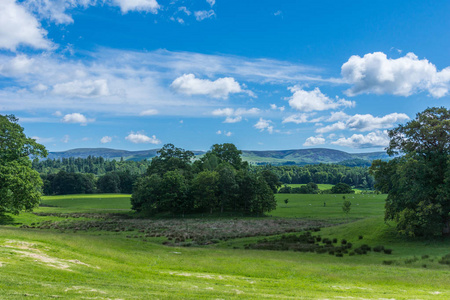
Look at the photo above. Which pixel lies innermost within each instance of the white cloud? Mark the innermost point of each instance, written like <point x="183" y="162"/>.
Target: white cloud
<point x="185" y="10"/>
<point x="278" y="13"/>
<point x="84" y="89"/>
<point x="226" y="133"/>
<point x="363" y="122"/>
<point x="332" y="127"/>
<point x="149" y="112"/>
<point x="139" y="138"/>
<point x="404" y="76"/>
<point x="131" y="82"/>
<point x="19" y="27"/>
<point x="57" y="113"/>
<point x="371" y="140"/>
<point x="264" y="125"/>
<point x="368" y="122"/>
<point x="234" y="115"/>
<point x="275" y="107"/>
<point x="76" y="118"/>
<point x="106" y="139"/>
<point x="297" y="119"/>
<point x="204" y="14"/>
<point x="337" y="116"/>
<point x="211" y="2"/>
<point x="17" y="66"/>
<point x="314" y="100"/>
<point x="137" y="5"/>
<point x="220" y="88"/>
<point x="314" y="141"/>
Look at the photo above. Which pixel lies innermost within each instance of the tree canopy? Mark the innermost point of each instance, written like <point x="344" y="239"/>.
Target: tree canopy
<point x="418" y="182"/>
<point x="20" y="185"/>
<point x="218" y="182"/>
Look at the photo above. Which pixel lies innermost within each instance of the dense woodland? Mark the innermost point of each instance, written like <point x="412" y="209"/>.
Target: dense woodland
<point x="97" y="175"/>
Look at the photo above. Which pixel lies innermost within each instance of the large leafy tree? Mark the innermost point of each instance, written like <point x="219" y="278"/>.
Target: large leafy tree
<point x="418" y="181"/>
<point x="20" y="185"/>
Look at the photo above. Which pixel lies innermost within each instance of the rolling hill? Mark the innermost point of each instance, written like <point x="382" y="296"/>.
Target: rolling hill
<point x="275" y="157"/>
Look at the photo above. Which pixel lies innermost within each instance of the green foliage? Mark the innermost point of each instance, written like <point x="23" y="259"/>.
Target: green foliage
<point x="418" y="182"/>
<point x="342" y="188"/>
<point x="20" y="185"/>
<point x="65" y="183"/>
<point x="322" y="173"/>
<point x="346" y="206"/>
<point x="219" y="181"/>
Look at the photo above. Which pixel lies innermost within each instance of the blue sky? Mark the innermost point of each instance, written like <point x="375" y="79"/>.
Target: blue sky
<point x="136" y="74"/>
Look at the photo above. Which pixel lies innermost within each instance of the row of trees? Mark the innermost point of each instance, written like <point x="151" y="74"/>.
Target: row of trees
<point x="91" y="164"/>
<point x="218" y="182"/>
<point x="64" y="183"/>
<point x="312" y="188"/>
<point x="323" y="173"/>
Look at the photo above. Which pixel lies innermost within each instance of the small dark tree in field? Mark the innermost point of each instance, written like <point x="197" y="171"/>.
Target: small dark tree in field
<point x="418" y="183"/>
<point x="286" y="201"/>
<point x="346" y="206"/>
<point x="20" y="185"/>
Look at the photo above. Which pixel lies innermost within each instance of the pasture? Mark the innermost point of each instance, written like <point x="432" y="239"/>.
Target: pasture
<point x="51" y="255"/>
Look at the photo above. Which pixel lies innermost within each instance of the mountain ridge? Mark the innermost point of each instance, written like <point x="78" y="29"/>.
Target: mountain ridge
<point x="275" y="157"/>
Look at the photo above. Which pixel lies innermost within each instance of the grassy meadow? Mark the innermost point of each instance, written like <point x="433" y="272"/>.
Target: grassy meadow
<point x="88" y="247"/>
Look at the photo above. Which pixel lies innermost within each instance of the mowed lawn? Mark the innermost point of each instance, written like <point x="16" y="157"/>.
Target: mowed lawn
<point x="107" y="265"/>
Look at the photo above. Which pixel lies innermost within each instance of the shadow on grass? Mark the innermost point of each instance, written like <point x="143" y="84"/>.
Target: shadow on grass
<point x="6" y="220"/>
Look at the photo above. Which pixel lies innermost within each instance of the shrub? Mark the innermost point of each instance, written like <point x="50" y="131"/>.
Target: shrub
<point x="360" y="237"/>
<point x="344" y="241"/>
<point x="425" y="256"/>
<point x="445" y="260"/>
<point x="387" y="251"/>
<point x="388" y="262"/>
<point x="334" y="240"/>
<point x="378" y="248"/>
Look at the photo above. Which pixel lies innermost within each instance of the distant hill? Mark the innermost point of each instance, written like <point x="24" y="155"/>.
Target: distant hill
<point x="275" y="157"/>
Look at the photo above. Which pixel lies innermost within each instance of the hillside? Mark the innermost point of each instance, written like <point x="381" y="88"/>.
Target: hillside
<point x="275" y="157"/>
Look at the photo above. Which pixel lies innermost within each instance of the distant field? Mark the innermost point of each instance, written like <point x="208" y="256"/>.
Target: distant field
<point x="76" y="259"/>
<point x="86" y="203"/>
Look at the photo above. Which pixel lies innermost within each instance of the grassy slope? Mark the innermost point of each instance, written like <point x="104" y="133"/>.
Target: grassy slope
<point x="131" y="268"/>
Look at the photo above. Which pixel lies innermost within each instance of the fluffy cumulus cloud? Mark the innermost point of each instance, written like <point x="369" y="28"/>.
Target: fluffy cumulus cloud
<point x="130" y="82"/>
<point x="76" y="118"/>
<point x="188" y="84"/>
<point x="371" y="140"/>
<point x="140" y="138"/>
<point x="314" y="100"/>
<point x="84" y="89"/>
<point x="263" y="124"/>
<point x="297" y="118"/>
<point x="17" y="66"/>
<point x="106" y="139"/>
<point x="375" y="73"/>
<point x="234" y="115"/>
<point x="314" y="141"/>
<point x="363" y="122"/>
<point x="19" y="27"/>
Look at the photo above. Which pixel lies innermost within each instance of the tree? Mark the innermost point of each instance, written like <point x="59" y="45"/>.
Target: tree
<point x="342" y="188"/>
<point x="20" y="185"/>
<point x="346" y="206"/>
<point x="418" y="182"/>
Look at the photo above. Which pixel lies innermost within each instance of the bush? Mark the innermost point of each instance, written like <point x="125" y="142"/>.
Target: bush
<point x="378" y="248"/>
<point x="387" y="251"/>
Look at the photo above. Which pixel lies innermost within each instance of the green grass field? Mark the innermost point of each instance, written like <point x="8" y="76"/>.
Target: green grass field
<point x="102" y="264"/>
